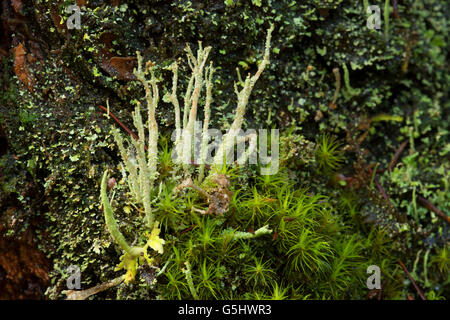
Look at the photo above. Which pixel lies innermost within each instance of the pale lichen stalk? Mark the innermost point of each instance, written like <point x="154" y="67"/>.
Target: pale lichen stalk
<point x="207" y="114"/>
<point x="243" y="96"/>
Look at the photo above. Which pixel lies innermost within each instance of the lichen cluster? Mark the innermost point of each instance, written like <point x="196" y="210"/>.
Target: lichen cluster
<point x="344" y="97"/>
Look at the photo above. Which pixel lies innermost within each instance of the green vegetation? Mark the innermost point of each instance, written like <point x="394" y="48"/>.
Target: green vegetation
<point x="360" y="161"/>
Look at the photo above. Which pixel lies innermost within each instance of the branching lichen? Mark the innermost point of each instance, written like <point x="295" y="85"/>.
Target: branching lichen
<point x="243" y="96"/>
<point x="132" y="254"/>
<point x="142" y="166"/>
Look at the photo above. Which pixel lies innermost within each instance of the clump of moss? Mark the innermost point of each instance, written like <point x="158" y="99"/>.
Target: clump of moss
<point x="59" y="145"/>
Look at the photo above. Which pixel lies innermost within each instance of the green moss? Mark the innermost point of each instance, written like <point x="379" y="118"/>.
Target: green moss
<point x="59" y="145"/>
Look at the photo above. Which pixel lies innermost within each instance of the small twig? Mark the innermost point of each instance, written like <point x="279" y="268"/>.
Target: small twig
<point x="45" y="149"/>
<point x="337" y="76"/>
<point x="84" y="294"/>
<point x="124" y="127"/>
<point x="377" y="183"/>
<point x="188" y="183"/>
<point x="427" y="204"/>
<point x="397" y="154"/>
<point x="412" y="280"/>
<point x="394" y="5"/>
<point x="199" y="210"/>
<point x="187" y="229"/>
<point x="207" y="166"/>
<point x="380" y="188"/>
<point x="380" y="293"/>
